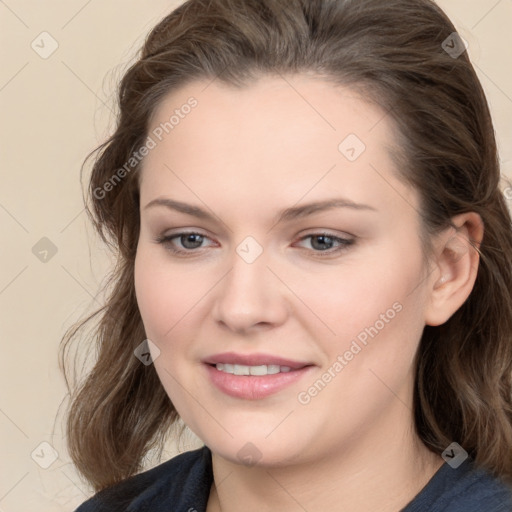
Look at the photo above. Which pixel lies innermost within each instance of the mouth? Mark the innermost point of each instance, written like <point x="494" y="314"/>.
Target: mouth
<point x="254" y="360"/>
<point x="241" y="369"/>
<point x="253" y="377"/>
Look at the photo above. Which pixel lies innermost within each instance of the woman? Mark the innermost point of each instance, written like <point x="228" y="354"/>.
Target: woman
<point x="314" y="268"/>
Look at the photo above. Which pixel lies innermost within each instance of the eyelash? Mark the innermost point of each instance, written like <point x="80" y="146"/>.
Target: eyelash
<point x="166" y="240"/>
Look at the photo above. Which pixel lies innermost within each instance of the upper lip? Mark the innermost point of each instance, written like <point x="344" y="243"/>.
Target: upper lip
<point x="254" y="360"/>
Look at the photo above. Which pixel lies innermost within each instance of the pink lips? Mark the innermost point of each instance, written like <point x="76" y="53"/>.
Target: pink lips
<point x="254" y="387"/>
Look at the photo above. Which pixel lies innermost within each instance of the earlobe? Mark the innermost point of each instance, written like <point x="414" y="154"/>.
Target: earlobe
<point x="456" y="266"/>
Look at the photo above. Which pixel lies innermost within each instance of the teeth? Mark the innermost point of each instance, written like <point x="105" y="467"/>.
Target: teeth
<point x="241" y="369"/>
<point x="272" y="369"/>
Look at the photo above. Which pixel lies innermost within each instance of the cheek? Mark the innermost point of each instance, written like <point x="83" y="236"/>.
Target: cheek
<point x="160" y="294"/>
<point x="149" y="293"/>
<point x="352" y="299"/>
<point x="383" y="333"/>
<point x="376" y="315"/>
<point x="170" y="297"/>
<point x="166" y="297"/>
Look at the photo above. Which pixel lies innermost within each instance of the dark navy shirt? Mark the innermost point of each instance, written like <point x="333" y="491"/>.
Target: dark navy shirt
<point x="182" y="484"/>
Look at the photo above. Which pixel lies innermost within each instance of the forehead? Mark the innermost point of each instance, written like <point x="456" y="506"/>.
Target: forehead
<point x="281" y="138"/>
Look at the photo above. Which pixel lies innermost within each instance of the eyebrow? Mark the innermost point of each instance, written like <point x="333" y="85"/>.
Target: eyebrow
<point x="294" y="212"/>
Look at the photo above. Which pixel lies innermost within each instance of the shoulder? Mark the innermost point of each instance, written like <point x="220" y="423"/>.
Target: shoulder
<point x="182" y="482"/>
<point x="464" y="489"/>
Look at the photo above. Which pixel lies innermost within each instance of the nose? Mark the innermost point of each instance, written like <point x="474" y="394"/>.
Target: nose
<point x="250" y="297"/>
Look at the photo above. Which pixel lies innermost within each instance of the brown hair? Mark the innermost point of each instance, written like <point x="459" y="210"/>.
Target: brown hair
<point x="394" y="52"/>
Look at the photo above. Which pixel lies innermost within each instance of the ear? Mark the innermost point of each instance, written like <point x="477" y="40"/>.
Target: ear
<point x="456" y="266"/>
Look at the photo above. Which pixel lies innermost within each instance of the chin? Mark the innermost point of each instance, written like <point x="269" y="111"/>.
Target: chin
<point x="247" y="450"/>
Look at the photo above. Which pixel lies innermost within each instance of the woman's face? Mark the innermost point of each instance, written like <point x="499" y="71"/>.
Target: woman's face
<point x="338" y="295"/>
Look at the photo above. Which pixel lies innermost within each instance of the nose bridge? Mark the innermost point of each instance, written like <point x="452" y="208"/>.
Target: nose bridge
<point x="250" y="293"/>
<point x="248" y="280"/>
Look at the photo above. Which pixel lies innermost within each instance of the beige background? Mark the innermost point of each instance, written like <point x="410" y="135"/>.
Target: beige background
<point x="54" y="111"/>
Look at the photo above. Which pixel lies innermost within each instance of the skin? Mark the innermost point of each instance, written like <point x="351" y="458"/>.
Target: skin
<point x="244" y="155"/>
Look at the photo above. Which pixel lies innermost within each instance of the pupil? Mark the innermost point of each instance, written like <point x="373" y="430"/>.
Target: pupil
<point x="323" y="239"/>
<point x="185" y="239"/>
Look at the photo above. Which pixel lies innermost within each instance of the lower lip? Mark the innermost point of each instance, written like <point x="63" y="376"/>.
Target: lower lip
<point x="254" y="387"/>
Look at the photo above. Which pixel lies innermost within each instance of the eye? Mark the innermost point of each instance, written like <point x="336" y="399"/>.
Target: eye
<point x="189" y="240"/>
<point x="322" y="243"/>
